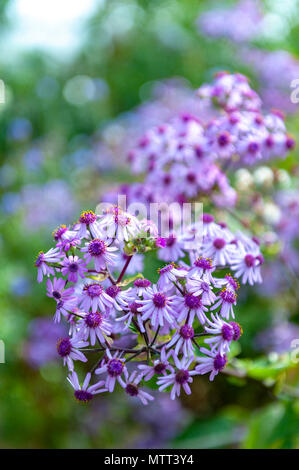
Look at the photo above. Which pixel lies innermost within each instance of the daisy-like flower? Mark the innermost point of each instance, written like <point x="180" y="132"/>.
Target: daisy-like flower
<point x="159" y="367"/>
<point x="120" y="297"/>
<point x="169" y="274"/>
<point x="114" y="367"/>
<point x="158" y="306"/>
<point x="101" y="253"/>
<point x="188" y="306"/>
<point x="62" y="232"/>
<point x="67" y="348"/>
<point x="181" y="377"/>
<point x="132" y="313"/>
<point x="172" y="250"/>
<point x="209" y="227"/>
<point x="183" y="341"/>
<point x="88" y="220"/>
<point x="226" y="299"/>
<point x="197" y="286"/>
<point x="94" y="325"/>
<point x="223" y="334"/>
<point x="229" y="282"/>
<point x="66" y="301"/>
<point x="141" y="286"/>
<point x="119" y="224"/>
<point x="131" y="387"/>
<point x="86" y="392"/>
<point x="73" y="266"/>
<point x="212" y="362"/>
<point x="247" y="266"/>
<point x="203" y="268"/>
<point x="71" y="241"/>
<point x="95" y="298"/>
<point x="42" y="263"/>
<point x="219" y="249"/>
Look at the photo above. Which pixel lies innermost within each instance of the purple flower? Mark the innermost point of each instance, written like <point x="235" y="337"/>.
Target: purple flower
<point x="223" y="334"/>
<point x="73" y="266"/>
<point x="183" y="341"/>
<point x="100" y="253"/>
<point x="213" y="362"/>
<point x="158" y="306"/>
<point x="88" y="220"/>
<point x="95" y="298"/>
<point x="131" y="387"/>
<point x="188" y="306"/>
<point x="133" y="313"/>
<point x="198" y="287"/>
<point x="141" y="286"/>
<point x="181" y="377"/>
<point x="169" y="274"/>
<point x="94" y="325"/>
<point x="225" y="300"/>
<point x="85" y="393"/>
<point x="67" y="348"/>
<point x="66" y="301"/>
<point x="159" y="367"/>
<point x="172" y="250"/>
<point x="114" y="367"/>
<point x="41" y="263"/>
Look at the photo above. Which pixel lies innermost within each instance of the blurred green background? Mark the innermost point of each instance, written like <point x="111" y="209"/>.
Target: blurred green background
<point x="73" y="75"/>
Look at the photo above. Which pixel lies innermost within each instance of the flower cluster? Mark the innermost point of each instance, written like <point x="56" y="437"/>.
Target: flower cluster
<point x="131" y="331"/>
<point x="187" y="158"/>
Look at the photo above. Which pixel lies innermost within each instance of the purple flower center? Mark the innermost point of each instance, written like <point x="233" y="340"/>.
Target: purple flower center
<point x="269" y="141"/>
<point x="39" y="259"/>
<point x="228" y="296"/>
<point x="253" y="147"/>
<point x="83" y="395"/>
<point x="223" y="139"/>
<point x="93" y="290"/>
<point x="134" y="308"/>
<point x="186" y="332"/>
<point x="191" y="177"/>
<point x="237" y="330"/>
<point x="97" y="247"/>
<point x="159" y="368"/>
<point x="112" y="291"/>
<point x="290" y="143"/>
<point x="182" y="376"/>
<point x="167" y="180"/>
<point x="219" y="243"/>
<point x="132" y="390"/>
<point x="207" y="218"/>
<point x="73" y="267"/>
<point x="193" y="302"/>
<point x="159" y="300"/>
<point x="87" y="217"/>
<point x="203" y="263"/>
<point x="232" y="281"/>
<point x="220" y="362"/>
<point x="249" y="261"/>
<point x="227" y="332"/>
<point x="56" y="294"/>
<point x="142" y="283"/>
<point x="115" y="367"/>
<point x="165" y="269"/>
<point x="170" y="241"/>
<point x="64" y="347"/>
<point x="93" y="320"/>
<point x="57" y="234"/>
